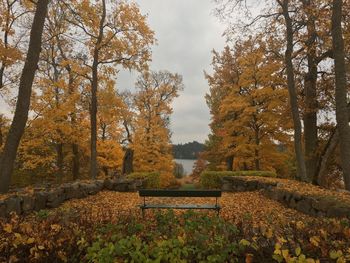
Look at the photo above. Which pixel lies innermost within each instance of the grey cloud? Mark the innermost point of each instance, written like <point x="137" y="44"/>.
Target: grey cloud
<point x="187" y="32"/>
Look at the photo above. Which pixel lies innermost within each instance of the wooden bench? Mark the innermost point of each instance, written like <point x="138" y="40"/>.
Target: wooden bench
<point x="179" y="193"/>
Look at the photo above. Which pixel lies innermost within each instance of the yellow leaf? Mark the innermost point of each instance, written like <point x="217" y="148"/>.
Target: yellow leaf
<point x="55" y="227"/>
<point x="41" y="247"/>
<point x="297" y="251"/>
<point x="285" y="253"/>
<point x="30" y="240"/>
<point x="269" y="233"/>
<point x="244" y="242"/>
<point x="282" y="240"/>
<point x="7" y="228"/>
<point x="341" y="260"/>
<point x="277" y="252"/>
<point x="335" y="254"/>
<point x="315" y="240"/>
<point x="300" y="225"/>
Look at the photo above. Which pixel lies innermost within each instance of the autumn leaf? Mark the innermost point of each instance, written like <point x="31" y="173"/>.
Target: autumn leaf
<point x="7" y="228"/>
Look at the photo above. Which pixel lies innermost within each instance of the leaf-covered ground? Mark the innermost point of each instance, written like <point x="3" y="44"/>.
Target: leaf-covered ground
<point x="265" y="226"/>
<point x="235" y="206"/>
<point x="305" y="188"/>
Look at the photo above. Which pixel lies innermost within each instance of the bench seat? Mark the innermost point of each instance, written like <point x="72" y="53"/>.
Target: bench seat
<point x="179" y="193"/>
<point x="165" y="206"/>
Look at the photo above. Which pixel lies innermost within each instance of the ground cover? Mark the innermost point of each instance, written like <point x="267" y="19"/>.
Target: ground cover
<point x="108" y="227"/>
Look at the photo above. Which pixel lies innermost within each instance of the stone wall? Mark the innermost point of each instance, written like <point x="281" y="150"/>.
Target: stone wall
<point x="22" y="202"/>
<point x="312" y="205"/>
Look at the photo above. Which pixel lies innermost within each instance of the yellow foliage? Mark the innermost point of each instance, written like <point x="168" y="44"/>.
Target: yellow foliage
<point x="151" y="142"/>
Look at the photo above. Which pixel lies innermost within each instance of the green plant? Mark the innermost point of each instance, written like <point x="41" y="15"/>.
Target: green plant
<point x="152" y="179"/>
<point x="212" y="179"/>
<point x="42" y="214"/>
<point x="190" y="237"/>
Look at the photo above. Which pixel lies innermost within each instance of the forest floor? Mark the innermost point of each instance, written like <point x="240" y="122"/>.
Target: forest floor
<point x="61" y="232"/>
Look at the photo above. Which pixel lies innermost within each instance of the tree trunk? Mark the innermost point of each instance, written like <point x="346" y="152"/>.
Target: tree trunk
<point x="256" y="151"/>
<point x="1" y="135"/>
<point x="75" y="163"/>
<point x="341" y="91"/>
<point x="229" y="163"/>
<point x="301" y="169"/>
<point x="94" y="86"/>
<point x="328" y="151"/>
<point x="23" y="100"/>
<point x="128" y="166"/>
<point x="71" y="90"/>
<point x="59" y="151"/>
<point x="310" y="115"/>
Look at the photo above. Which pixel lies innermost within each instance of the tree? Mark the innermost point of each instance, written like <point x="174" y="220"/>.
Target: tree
<point x="116" y="34"/>
<point x="293" y="99"/>
<point x="10" y="53"/>
<point x="252" y="116"/>
<point x="341" y="90"/>
<point x="226" y="74"/>
<point x="110" y="153"/>
<point x="199" y="166"/>
<point x="151" y="144"/>
<point x="179" y="171"/>
<point x="23" y="100"/>
<point x="128" y="115"/>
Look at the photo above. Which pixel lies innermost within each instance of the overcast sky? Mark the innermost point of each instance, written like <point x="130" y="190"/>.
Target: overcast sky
<point x="186" y="31"/>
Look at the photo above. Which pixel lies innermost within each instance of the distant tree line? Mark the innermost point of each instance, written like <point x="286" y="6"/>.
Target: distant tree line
<point x="188" y="150"/>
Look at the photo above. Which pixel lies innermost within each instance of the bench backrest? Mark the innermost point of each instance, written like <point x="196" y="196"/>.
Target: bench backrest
<point x="179" y="193"/>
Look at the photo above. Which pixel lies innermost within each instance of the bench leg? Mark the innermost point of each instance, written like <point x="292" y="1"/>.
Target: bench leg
<point x="143" y="213"/>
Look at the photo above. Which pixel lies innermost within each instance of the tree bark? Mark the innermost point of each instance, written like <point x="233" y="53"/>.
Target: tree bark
<point x="24" y="93"/>
<point x="75" y="163"/>
<point x="94" y="87"/>
<point x="60" y="157"/>
<point x="327" y="152"/>
<point x="256" y="151"/>
<point x="71" y="90"/>
<point x="229" y="163"/>
<point x="301" y="169"/>
<point x="1" y="135"/>
<point x="128" y="159"/>
<point x="310" y="82"/>
<point x="341" y="91"/>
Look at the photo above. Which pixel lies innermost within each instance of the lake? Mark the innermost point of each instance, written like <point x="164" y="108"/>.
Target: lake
<point x="187" y="165"/>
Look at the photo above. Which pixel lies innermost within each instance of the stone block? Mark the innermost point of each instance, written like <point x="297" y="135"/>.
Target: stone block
<point x="72" y="190"/>
<point x="227" y="186"/>
<point x="110" y="184"/>
<point x="323" y="204"/>
<point x="40" y="200"/>
<point x="27" y="203"/>
<point x="13" y="204"/>
<point x="304" y="206"/>
<point x="338" y="211"/>
<point x="55" y="197"/>
<point x="2" y="208"/>
<point x="252" y="185"/>
<point x="99" y="185"/>
<point x="121" y="187"/>
<point x="292" y="203"/>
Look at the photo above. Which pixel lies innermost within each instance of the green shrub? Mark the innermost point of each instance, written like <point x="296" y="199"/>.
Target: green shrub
<point x="152" y="178"/>
<point x="212" y="179"/>
<point x="189" y="237"/>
